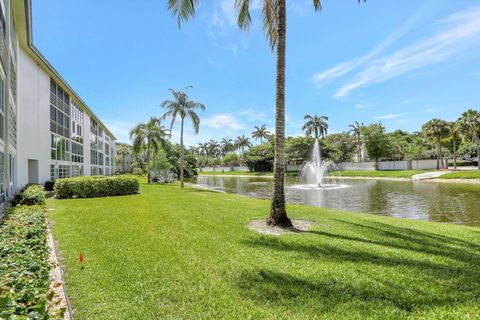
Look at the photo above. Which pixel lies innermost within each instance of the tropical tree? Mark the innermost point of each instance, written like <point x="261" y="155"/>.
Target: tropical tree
<point x="275" y="24"/>
<point x="214" y="148"/>
<point x="260" y="133"/>
<point x="123" y="150"/>
<point x="227" y="146"/>
<point x="470" y="126"/>
<point x="377" y="142"/>
<point x="149" y="135"/>
<point x="456" y="135"/>
<point x="436" y="129"/>
<point x="355" y="131"/>
<point x="242" y="142"/>
<point x="316" y="125"/>
<point x="182" y="107"/>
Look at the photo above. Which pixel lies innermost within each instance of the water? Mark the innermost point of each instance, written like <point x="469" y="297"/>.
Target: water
<point x="427" y="201"/>
<point x="312" y="172"/>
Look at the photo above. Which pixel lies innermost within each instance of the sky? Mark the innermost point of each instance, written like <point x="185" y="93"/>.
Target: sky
<point x="398" y="62"/>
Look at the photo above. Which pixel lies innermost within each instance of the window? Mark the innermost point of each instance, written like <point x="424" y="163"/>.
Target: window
<point x="60" y="148"/>
<point x="2" y="177"/>
<point x="63" y="171"/>
<point x="2" y="109"/>
<point x="12" y="125"/>
<point x="77" y="152"/>
<point x="52" y="172"/>
<point x="77" y="171"/>
<point x="59" y="110"/>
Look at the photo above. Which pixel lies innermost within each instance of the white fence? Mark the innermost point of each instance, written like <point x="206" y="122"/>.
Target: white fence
<point x="351" y="166"/>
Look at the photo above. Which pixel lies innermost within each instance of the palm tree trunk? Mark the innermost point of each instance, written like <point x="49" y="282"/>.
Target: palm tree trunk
<point x="477" y="141"/>
<point x="181" y="153"/>
<point x="437" y="146"/>
<point x="278" y="212"/>
<point x="454" y="154"/>
<point x="148" y="160"/>
<point x="123" y="164"/>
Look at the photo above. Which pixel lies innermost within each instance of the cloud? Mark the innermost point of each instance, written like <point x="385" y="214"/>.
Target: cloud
<point x="120" y="129"/>
<point x="224" y="16"/>
<point x="252" y="115"/>
<point x="220" y="121"/>
<point x="458" y="31"/>
<point x="390" y="116"/>
<point x="363" y="106"/>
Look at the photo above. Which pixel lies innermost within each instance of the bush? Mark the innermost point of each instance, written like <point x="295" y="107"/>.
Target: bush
<point x="137" y="171"/>
<point x="24" y="264"/>
<point x="260" y="158"/>
<point x="49" y="185"/>
<point x="97" y="186"/>
<point x="34" y="194"/>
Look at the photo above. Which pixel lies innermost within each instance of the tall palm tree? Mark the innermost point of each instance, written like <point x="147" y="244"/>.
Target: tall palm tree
<point x="151" y="135"/>
<point x="436" y="129"/>
<point x="470" y="126"/>
<point x="456" y="134"/>
<point x="260" y="133"/>
<point x="182" y="107"/>
<point x="274" y="15"/>
<point x="317" y="125"/>
<point x="242" y="142"/>
<point x="123" y="150"/>
<point x="227" y="146"/>
<point x="356" y="132"/>
<point x="214" y="148"/>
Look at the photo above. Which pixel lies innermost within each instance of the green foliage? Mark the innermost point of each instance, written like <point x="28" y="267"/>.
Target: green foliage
<point x="377" y="142"/>
<point x="33" y="194"/>
<point x="231" y="159"/>
<point x="49" y="185"/>
<point x="97" y="186"/>
<point x="138" y="171"/>
<point x="297" y="149"/>
<point x="339" y="147"/>
<point x="467" y="174"/>
<point x="260" y="158"/>
<point x="24" y="266"/>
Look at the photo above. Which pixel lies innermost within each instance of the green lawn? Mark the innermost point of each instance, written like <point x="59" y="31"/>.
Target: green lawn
<point x="380" y="174"/>
<point x="187" y="254"/>
<point x="468" y="174"/>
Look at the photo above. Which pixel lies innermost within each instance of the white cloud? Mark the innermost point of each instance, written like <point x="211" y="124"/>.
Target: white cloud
<point x="120" y="129"/>
<point x="362" y="106"/>
<point x="390" y="116"/>
<point x="220" y="121"/>
<point x="252" y="115"/>
<point x="458" y="31"/>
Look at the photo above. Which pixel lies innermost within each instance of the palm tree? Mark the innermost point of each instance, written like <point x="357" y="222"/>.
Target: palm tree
<point x="123" y="150"/>
<point x="214" y="148"/>
<point x="260" y="133"/>
<point x="456" y="135"/>
<point x="182" y="107"/>
<point x="227" y="146"/>
<point x="316" y="125"/>
<point x="275" y="24"/>
<point x="436" y="129"/>
<point x="242" y="142"/>
<point x="150" y="135"/>
<point x="470" y="127"/>
<point x="356" y="132"/>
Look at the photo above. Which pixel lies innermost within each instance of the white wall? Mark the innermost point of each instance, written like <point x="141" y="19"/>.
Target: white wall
<point x="33" y="119"/>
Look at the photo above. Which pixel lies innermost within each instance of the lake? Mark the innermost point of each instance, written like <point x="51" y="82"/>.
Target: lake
<point x="427" y="201"/>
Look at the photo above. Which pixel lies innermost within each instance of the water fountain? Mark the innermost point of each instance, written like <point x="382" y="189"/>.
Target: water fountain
<point x="312" y="172"/>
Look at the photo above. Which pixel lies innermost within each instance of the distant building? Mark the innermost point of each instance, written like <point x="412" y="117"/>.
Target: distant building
<point x="121" y="166"/>
<point x="46" y="130"/>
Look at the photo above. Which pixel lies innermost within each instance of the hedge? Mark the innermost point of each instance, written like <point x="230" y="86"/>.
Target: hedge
<point x="97" y="186"/>
<point x="24" y="265"/>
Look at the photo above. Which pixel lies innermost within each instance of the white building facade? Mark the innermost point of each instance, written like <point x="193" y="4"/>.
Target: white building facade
<point x="46" y="130"/>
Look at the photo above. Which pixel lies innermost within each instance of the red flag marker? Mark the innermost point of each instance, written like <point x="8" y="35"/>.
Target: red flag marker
<point x="82" y="257"/>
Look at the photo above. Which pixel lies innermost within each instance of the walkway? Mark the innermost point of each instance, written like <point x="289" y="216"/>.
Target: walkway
<point x="428" y="175"/>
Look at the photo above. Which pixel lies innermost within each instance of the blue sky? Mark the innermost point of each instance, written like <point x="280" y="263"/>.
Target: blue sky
<point x="399" y="62"/>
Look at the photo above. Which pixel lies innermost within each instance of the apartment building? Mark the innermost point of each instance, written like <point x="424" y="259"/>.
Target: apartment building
<point x="46" y="130"/>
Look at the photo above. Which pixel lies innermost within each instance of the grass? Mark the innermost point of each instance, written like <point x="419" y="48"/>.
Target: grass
<point x="188" y="254"/>
<point x="380" y="174"/>
<point x="468" y="174"/>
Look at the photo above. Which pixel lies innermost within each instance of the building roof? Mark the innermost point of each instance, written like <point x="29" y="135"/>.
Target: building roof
<point x="22" y="11"/>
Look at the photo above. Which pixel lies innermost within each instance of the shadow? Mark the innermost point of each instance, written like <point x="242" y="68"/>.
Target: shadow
<point x="386" y="266"/>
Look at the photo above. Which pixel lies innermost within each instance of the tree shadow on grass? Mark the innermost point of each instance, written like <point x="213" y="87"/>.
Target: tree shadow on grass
<point x="400" y="268"/>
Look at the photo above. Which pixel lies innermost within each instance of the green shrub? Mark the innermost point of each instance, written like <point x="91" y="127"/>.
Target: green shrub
<point x="34" y="194"/>
<point x="97" y="186"/>
<point x="24" y="264"/>
<point x="49" y="185"/>
<point x="137" y="171"/>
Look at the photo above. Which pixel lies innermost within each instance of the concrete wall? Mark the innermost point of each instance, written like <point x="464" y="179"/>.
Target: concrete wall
<point x="223" y="169"/>
<point x="356" y="166"/>
<point x="33" y="119"/>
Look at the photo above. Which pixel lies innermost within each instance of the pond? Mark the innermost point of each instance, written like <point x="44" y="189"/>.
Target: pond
<point x="428" y="201"/>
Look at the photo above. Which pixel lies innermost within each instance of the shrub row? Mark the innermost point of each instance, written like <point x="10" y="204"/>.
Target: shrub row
<point x="97" y="186"/>
<point x="24" y="266"/>
<point x="32" y="195"/>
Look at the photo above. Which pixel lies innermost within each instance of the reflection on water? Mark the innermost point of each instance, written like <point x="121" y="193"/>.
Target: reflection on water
<point x="442" y="202"/>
